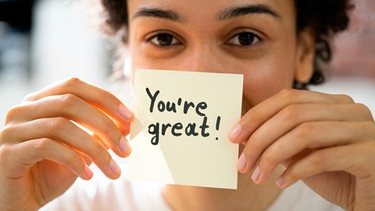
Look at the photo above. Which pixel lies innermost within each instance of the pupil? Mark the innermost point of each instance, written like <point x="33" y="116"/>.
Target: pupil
<point x="246" y="38"/>
<point x="165" y="39"/>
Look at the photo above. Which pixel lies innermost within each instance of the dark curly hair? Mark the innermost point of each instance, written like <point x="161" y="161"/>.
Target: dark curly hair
<point x="325" y="17"/>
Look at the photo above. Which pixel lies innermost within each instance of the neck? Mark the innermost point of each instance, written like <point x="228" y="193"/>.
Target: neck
<point x="248" y="196"/>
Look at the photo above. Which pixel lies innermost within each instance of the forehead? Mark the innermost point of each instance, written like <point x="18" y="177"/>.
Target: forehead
<point x="208" y="10"/>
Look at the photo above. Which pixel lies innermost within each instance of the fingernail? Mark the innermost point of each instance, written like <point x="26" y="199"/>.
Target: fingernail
<point x="126" y="113"/>
<point x="256" y="174"/>
<point x="124" y="146"/>
<point x="280" y="182"/>
<point x="235" y="132"/>
<point x="116" y="170"/>
<point x="87" y="172"/>
<point x="241" y="163"/>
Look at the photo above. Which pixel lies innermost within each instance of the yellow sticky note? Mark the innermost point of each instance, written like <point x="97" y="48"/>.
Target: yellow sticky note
<point x="181" y="127"/>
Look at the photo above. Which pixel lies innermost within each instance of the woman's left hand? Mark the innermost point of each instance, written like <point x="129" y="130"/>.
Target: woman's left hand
<point x="327" y="141"/>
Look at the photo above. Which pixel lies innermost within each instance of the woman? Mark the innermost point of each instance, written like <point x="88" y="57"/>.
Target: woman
<point x="285" y="134"/>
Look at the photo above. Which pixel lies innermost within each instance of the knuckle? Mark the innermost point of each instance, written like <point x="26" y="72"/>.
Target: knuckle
<point x="14" y="112"/>
<point x="344" y="98"/>
<point x="58" y="124"/>
<point x="43" y="146"/>
<point x="287" y="94"/>
<point x="365" y="110"/>
<point x="6" y="134"/>
<point x="69" y="101"/>
<point x="72" y="83"/>
<point x="4" y="152"/>
<point x="303" y="130"/>
<point x="290" y="112"/>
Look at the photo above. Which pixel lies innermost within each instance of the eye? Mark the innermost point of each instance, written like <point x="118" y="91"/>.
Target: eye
<point x="244" y="39"/>
<point x="164" y="39"/>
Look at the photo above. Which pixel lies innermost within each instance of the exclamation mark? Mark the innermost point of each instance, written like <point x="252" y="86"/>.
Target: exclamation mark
<point x="218" y="119"/>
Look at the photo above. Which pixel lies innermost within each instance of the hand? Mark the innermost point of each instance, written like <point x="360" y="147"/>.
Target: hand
<point x="43" y="146"/>
<point x="328" y="141"/>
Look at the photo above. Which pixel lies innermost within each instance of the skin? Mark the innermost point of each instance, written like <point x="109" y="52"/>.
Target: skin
<point x="285" y="135"/>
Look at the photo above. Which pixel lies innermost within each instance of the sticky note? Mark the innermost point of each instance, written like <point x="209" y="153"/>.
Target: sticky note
<point x="181" y="126"/>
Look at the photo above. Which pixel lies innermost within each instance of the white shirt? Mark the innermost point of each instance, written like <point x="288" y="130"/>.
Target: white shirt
<point x="111" y="195"/>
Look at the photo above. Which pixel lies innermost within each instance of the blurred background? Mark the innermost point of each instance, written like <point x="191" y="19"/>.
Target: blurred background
<point x="43" y="41"/>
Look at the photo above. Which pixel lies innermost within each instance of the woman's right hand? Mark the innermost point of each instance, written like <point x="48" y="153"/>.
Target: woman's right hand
<point x="43" y="146"/>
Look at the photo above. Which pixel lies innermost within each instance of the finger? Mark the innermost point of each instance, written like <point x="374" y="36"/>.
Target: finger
<point x="19" y="158"/>
<point x="92" y="94"/>
<point x="64" y="131"/>
<point x="349" y="158"/>
<point x="308" y="137"/>
<point x="76" y="109"/>
<point x="295" y="115"/>
<point x="260" y="113"/>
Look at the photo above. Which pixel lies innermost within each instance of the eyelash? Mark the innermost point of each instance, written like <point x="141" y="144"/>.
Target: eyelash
<point x="254" y="39"/>
<point x="154" y="39"/>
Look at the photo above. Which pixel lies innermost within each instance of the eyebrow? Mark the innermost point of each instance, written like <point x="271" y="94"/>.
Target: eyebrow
<point x="226" y="14"/>
<point x="246" y="10"/>
<point x="158" y="13"/>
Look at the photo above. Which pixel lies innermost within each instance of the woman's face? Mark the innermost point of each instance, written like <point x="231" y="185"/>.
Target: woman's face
<point x="256" y="38"/>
